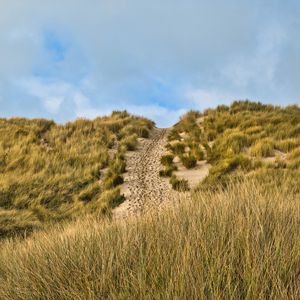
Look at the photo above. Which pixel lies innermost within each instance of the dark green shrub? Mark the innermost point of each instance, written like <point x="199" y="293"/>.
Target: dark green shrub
<point x="143" y="132"/>
<point x="167" y="160"/>
<point x="180" y="185"/>
<point x="189" y="161"/>
<point x="173" y="135"/>
<point x="178" y="148"/>
<point x="167" y="172"/>
<point x="112" y="180"/>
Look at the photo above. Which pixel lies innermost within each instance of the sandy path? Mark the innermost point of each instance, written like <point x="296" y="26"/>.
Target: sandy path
<point x="143" y="188"/>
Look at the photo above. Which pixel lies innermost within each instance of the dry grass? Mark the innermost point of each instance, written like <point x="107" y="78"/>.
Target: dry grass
<point x="242" y="243"/>
<point x="245" y="129"/>
<point x="49" y="172"/>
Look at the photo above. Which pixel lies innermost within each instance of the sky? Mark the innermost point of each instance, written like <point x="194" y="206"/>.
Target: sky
<point x="69" y="59"/>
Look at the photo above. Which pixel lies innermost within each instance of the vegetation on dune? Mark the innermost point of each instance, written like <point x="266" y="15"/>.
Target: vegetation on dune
<point x="188" y="160"/>
<point x="180" y="185"/>
<point x="49" y="172"/>
<point x="167" y="160"/>
<point x="238" y="243"/>
<point x="238" y="139"/>
<point x="235" y="236"/>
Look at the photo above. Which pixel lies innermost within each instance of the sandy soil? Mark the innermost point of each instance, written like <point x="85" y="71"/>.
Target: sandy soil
<point x="195" y="175"/>
<point x="143" y="188"/>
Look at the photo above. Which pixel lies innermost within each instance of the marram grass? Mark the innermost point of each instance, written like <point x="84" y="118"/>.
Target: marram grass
<point x="239" y="243"/>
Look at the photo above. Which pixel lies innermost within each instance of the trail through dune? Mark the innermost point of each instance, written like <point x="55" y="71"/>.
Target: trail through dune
<point x="143" y="188"/>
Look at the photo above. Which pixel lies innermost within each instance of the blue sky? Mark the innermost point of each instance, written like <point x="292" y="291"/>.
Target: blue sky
<point x="68" y="59"/>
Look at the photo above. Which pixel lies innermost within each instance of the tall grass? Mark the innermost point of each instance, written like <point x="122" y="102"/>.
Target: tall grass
<point x="250" y="129"/>
<point x="242" y="243"/>
<point x="49" y="172"/>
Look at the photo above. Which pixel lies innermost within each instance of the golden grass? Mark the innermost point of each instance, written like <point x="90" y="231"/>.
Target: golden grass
<point x="49" y="172"/>
<point x="249" y="130"/>
<point x="242" y="243"/>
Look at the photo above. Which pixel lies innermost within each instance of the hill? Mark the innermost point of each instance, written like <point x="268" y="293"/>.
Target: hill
<point x="52" y="172"/>
<point x="104" y="223"/>
<point x="245" y="139"/>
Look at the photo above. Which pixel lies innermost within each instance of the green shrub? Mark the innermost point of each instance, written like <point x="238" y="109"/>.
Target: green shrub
<point x="196" y="151"/>
<point x="167" y="160"/>
<point x="178" y="148"/>
<point x="236" y="142"/>
<point x="180" y="185"/>
<point x="189" y="161"/>
<point x="118" y="166"/>
<point x="210" y="135"/>
<point x="112" y="180"/>
<point x="230" y="164"/>
<point x="287" y="145"/>
<point x="254" y="130"/>
<point x="167" y="172"/>
<point x="173" y="135"/>
<point x="130" y="142"/>
<point x="143" y="132"/>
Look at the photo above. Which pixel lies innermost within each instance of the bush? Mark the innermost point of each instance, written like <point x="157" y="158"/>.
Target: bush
<point x="180" y="185"/>
<point x="174" y="135"/>
<point x="168" y="171"/>
<point x="167" y="160"/>
<point x="130" y="142"/>
<point x="118" y="166"/>
<point x="228" y="165"/>
<point x="210" y="135"/>
<point x="236" y="142"/>
<point x="143" y="132"/>
<point x="196" y="151"/>
<point x="178" y="148"/>
<point x="189" y="161"/>
<point x="112" y="180"/>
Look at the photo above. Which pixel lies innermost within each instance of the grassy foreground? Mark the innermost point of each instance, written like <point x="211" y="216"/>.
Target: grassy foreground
<point x="238" y="243"/>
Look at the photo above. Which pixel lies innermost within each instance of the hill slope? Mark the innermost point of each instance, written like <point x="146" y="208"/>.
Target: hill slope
<point x="244" y="139"/>
<point x="51" y="172"/>
<point x="235" y="236"/>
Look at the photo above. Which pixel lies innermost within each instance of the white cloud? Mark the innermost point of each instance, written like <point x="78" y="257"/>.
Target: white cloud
<point x="53" y="104"/>
<point x="222" y="50"/>
<point x="262" y="64"/>
<point x="204" y="98"/>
